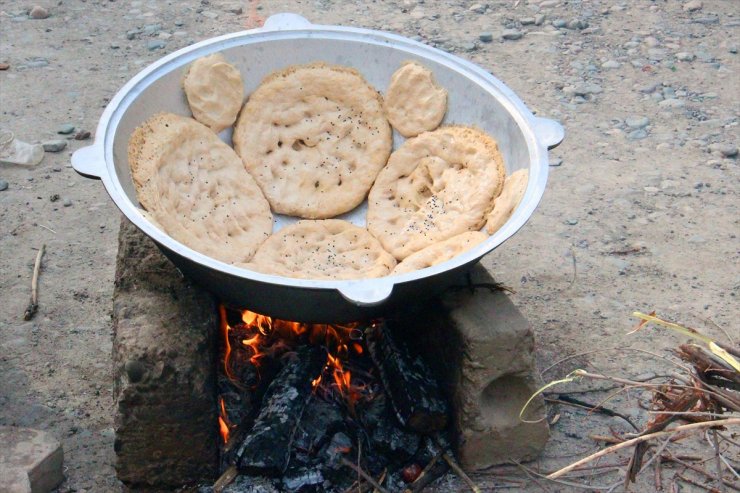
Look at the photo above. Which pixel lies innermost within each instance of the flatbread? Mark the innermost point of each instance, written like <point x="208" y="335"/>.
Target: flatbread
<point x="314" y="137"/>
<point x="503" y="206"/>
<point x="440" y="252"/>
<point x="196" y="189"/>
<point x="435" y="186"/>
<point x="414" y="103"/>
<point x="215" y="91"/>
<point x="324" y="249"/>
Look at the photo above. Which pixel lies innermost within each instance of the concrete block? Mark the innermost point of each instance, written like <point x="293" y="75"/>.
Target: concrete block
<point x="165" y="336"/>
<point x="482" y="349"/>
<point x="30" y="461"/>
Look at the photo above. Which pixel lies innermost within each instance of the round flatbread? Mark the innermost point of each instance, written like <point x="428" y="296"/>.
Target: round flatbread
<point x="503" y="206"/>
<point x="440" y="252"/>
<point x="435" y="186"/>
<point x="196" y="189"/>
<point x="215" y="91"/>
<point x="414" y="103"/>
<point x="325" y="249"/>
<point x="314" y="137"/>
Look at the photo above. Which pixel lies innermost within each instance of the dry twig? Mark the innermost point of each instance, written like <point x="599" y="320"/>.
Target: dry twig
<point x="33" y="305"/>
<point x="364" y="475"/>
<point x="644" y="438"/>
<point x="458" y="470"/>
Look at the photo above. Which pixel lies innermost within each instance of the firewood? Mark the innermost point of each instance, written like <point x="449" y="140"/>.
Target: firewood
<point x="410" y="384"/>
<point x="267" y="447"/>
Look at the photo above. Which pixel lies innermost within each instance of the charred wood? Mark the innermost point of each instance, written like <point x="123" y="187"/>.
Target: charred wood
<point x="408" y="381"/>
<point x="267" y="447"/>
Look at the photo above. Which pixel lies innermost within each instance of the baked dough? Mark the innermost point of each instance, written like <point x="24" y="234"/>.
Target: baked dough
<point x="435" y="186"/>
<point x="195" y="188"/>
<point x="414" y="103"/>
<point x="324" y="249"/>
<point x="215" y="91"/>
<point x="440" y="252"/>
<point x="314" y="137"/>
<point x="503" y="206"/>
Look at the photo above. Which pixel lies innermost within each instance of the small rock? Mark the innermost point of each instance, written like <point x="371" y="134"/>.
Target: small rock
<point x="37" y="62"/>
<point x="38" y="12"/>
<point x="577" y="24"/>
<point x="651" y="189"/>
<point x="732" y="49"/>
<point x="706" y="20"/>
<point x="54" y="145"/>
<point x="638" y="134"/>
<point x="82" y="135"/>
<point x="477" y="8"/>
<point x="512" y="34"/>
<point x="209" y="14"/>
<point x="134" y="371"/>
<point x="4" y="66"/>
<point x="486" y="37"/>
<point x="685" y="56"/>
<point x="692" y="6"/>
<point x="469" y="47"/>
<point x="571" y="222"/>
<point x="637" y="121"/>
<point x="152" y="29"/>
<point x="67" y="203"/>
<point x="3" y="185"/>
<point x="132" y="34"/>
<point x="539" y="19"/>
<point x="559" y="23"/>
<point x="671" y="103"/>
<point x="610" y="64"/>
<point x="697" y="239"/>
<point x="236" y="11"/>
<point x="726" y="150"/>
<point x="155" y="44"/>
<point x="54" y="197"/>
<point x="179" y="23"/>
<point x="66" y="129"/>
<point x="527" y="21"/>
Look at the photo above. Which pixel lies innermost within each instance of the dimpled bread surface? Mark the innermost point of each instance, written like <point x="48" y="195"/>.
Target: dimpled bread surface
<point x="314" y="137"/>
<point x="435" y="186"/>
<point x="503" y="206"/>
<point x="414" y="103"/>
<point x="323" y="249"/>
<point x="215" y="91"/>
<point x="196" y="189"/>
<point x="440" y="252"/>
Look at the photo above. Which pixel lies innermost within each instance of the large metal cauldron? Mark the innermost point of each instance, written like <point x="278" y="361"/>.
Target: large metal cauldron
<point x="475" y="98"/>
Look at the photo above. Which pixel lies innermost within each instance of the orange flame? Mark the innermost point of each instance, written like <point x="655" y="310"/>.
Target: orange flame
<point x="227" y="347"/>
<point x="223" y="426"/>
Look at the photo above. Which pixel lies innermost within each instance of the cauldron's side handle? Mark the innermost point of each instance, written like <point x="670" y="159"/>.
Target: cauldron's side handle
<point x="370" y="292"/>
<point x="285" y="21"/>
<point x="89" y="161"/>
<point x="549" y="132"/>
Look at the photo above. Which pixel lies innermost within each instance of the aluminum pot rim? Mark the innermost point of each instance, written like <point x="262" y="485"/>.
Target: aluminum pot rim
<point x="540" y="134"/>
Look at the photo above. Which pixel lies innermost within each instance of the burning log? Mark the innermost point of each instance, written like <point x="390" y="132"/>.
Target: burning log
<point x="413" y="391"/>
<point x="267" y="447"/>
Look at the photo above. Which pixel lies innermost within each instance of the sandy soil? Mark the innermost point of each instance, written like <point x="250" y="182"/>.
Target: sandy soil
<point x="636" y="216"/>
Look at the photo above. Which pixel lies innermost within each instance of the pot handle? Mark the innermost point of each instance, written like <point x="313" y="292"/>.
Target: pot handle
<point x="89" y="161"/>
<point x="285" y="21"/>
<point x="549" y="132"/>
<point x="367" y="293"/>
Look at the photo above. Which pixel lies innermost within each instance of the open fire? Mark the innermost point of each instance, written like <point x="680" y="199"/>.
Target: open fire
<point x="298" y="401"/>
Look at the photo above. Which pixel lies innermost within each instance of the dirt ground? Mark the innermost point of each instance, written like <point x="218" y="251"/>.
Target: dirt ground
<point x="640" y="213"/>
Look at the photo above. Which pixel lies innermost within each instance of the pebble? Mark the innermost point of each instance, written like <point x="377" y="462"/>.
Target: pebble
<point x="527" y="21"/>
<point x="54" y="145"/>
<point x="697" y="239"/>
<point x="469" y="47"/>
<point x="692" y="6"/>
<point x="577" y="24"/>
<point x="671" y="103"/>
<point x="151" y="29"/>
<point x="66" y="129"/>
<point x="179" y="23"/>
<point x="82" y="135"/>
<point x="478" y="8"/>
<point x="539" y="19"/>
<point x="583" y="89"/>
<point x="486" y="37"/>
<point x="4" y="66"/>
<point x="637" y="121"/>
<point x="209" y="14"/>
<point x="155" y="44"/>
<point x="38" y="12"/>
<point x="571" y="222"/>
<point x="37" y="62"/>
<point x="3" y="185"/>
<point x="685" y="56"/>
<point x="706" y="20"/>
<point x="67" y="202"/>
<point x="638" y="134"/>
<point x="512" y="34"/>
<point x="559" y="23"/>
<point x="727" y="150"/>
<point x="610" y="64"/>
<point x="549" y="3"/>
<point x="54" y="197"/>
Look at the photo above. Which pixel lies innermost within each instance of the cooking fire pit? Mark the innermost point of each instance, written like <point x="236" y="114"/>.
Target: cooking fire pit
<point x="212" y="396"/>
